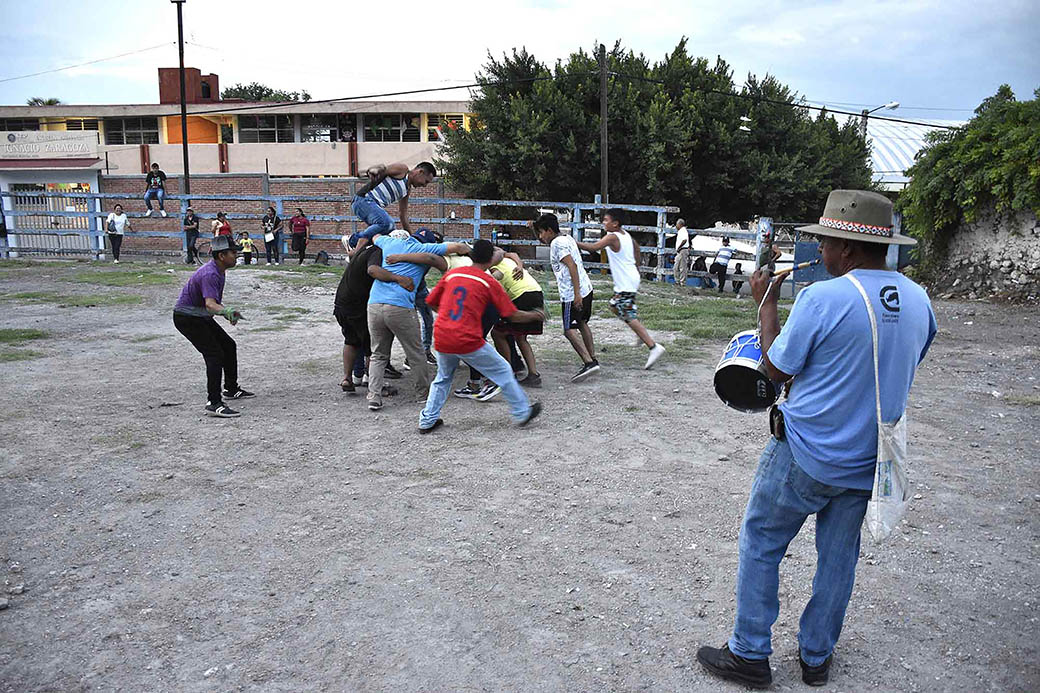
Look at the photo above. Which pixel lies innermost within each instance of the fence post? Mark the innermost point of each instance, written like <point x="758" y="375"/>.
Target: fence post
<point x="99" y="240"/>
<point x="575" y="220"/>
<point x="353" y="192"/>
<point x="476" y="220"/>
<point x="185" y="203"/>
<point x="660" y="245"/>
<point x="278" y="213"/>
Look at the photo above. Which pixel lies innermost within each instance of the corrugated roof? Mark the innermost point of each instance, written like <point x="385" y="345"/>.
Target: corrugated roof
<point x="893" y="147"/>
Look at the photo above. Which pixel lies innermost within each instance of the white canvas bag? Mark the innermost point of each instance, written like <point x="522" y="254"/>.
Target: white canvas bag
<point x="891" y="485"/>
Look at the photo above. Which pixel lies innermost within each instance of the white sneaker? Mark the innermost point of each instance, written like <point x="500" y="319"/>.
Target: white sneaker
<point x="655" y="354"/>
<point x="116" y="261"/>
<point x="162" y="212"/>
<point x="268" y="264"/>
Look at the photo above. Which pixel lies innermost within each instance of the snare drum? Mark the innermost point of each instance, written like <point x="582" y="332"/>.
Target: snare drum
<point x="740" y="378"/>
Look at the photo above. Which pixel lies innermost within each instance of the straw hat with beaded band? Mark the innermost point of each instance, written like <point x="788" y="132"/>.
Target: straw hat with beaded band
<point x="858" y="215"/>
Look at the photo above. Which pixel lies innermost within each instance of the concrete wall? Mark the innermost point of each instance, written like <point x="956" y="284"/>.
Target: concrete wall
<point x="997" y="254"/>
<point x="282" y="159"/>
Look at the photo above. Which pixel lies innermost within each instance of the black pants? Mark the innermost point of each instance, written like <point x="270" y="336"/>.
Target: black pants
<point x="248" y="258"/>
<point x="719" y="270"/>
<point x="191" y="238"/>
<point x="217" y="348"/>
<point x="299" y="244"/>
<point x="272" y="248"/>
<point x="116" y="241"/>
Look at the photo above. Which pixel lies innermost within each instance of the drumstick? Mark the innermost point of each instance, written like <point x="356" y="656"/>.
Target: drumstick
<point x="798" y="267"/>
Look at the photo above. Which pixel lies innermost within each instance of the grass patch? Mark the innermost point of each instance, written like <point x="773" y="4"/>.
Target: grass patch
<point x="127" y="278"/>
<point x="696" y="317"/>
<point x="272" y="328"/>
<point x="16" y="336"/>
<point x="287" y="309"/>
<point x="8" y="355"/>
<point x="74" y="300"/>
<point x="1026" y="400"/>
<point x="146" y="338"/>
<point x="291" y="317"/>
<point x="319" y="366"/>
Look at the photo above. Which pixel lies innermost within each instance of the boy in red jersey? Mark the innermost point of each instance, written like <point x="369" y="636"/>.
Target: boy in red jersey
<point x="460" y="299"/>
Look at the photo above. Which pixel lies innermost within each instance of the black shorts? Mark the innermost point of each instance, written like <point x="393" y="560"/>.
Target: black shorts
<point x="299" y="241"/>
<point x="355" y="330"/>
<point x="530" y="300"/>
<point x="573" y="318"/>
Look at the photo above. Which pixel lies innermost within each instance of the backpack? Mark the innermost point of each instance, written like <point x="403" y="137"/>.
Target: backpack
<point x="322" y="258"/>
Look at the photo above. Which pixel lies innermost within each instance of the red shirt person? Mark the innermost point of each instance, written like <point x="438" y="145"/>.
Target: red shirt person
<point x="300" y="226"/>
<point x="460" y="299"/>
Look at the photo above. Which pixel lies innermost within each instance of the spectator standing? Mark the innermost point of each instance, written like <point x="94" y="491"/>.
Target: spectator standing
<point x="191" y="237"/>
<point x="155" y="189"/>
<point x="221" y="226"/>
<point x="272" y="228"/>
<point x="116" y="225"/>
<point x="721" y="264"/>
<point x="301" y="233"/>
<point x="681" y="264"/>
<point x="247" y="247"/>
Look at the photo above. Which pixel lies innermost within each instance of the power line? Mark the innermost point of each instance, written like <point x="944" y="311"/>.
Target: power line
<point x="89" y="62"/>
<point x="751" y="97"/>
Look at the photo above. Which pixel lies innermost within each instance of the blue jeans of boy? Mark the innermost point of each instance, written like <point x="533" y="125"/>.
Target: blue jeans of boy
<point x="426" y="315"/>
<point x="369" y="211"/>
<point x="492" y="365"/>
<point x="782" y="497"/>
<point x="154" y="194"/>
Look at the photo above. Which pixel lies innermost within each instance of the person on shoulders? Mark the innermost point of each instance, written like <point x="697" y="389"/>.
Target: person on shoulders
<point x="386" y="185"/>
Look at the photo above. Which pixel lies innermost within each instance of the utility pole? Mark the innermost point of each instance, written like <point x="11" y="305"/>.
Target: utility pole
<point x="184" y="104"/>
<point x="603" y="123"/>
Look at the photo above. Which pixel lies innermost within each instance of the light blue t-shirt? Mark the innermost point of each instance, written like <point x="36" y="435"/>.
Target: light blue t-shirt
<point x="390" y="292"/>
<point x="826" y="343"/>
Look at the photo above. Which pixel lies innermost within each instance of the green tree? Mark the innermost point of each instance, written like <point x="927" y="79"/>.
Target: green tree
<point x="254" y="91"/>
<point x="40" y="101"/>
<point x="990" y="164"/>
<point x="674" y="137"/>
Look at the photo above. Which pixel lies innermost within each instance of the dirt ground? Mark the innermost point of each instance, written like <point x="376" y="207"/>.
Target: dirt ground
<point x="313" y="545"/>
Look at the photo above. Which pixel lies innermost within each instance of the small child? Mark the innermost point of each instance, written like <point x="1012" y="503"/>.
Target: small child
<point x="736" y="284"/>
<point x="247" y="247"/>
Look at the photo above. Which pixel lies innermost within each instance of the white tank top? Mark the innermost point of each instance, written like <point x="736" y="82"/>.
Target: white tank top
<point x="623" y="265"/>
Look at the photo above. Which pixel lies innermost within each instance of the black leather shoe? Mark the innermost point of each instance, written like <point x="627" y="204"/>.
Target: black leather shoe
<point x="754" y="673"/>
<point x="816" y="676"/>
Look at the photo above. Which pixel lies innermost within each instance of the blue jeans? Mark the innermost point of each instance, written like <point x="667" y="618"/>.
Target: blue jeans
<point x="492" y="365"/>
<point x="782" y="497"/>
<point x="426" y="315"/>
<point x="369" y="211"/>
<point x="154" y="194"/>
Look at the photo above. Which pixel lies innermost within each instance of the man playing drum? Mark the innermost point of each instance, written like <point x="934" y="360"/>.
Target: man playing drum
<point x="821" y="458"/>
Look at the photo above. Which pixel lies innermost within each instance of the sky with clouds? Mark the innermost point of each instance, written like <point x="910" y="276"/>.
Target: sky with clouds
<point x="927" y="54"/>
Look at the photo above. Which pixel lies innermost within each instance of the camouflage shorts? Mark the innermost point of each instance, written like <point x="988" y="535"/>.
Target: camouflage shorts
<point x="624" y="304"/>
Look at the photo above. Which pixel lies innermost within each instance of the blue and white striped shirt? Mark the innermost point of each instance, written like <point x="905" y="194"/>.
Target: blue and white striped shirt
<point x="389" y="190"/>
<point x="725" y="253"/>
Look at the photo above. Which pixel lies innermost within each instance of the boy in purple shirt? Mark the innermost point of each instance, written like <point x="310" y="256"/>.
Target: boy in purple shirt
<point x="201" y="299"/>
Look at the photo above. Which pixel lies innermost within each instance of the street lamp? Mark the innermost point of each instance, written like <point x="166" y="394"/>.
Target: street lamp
<point x="891" y="106"/>
<point x="184" y="104"/>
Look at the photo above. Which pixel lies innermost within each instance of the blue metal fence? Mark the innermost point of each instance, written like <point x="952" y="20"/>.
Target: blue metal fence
<point x="478" y="223"/>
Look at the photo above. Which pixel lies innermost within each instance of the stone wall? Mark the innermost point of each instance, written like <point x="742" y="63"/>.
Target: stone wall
<point x="997" y="255"/>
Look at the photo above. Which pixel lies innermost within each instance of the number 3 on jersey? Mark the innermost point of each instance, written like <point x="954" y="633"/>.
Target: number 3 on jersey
<point x="459" y="294"/>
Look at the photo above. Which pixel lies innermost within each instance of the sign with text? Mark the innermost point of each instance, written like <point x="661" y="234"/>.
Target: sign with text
<point x="48" y="145"/>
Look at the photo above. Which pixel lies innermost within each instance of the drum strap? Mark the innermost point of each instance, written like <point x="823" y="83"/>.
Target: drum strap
<point x="874" y="333"/>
